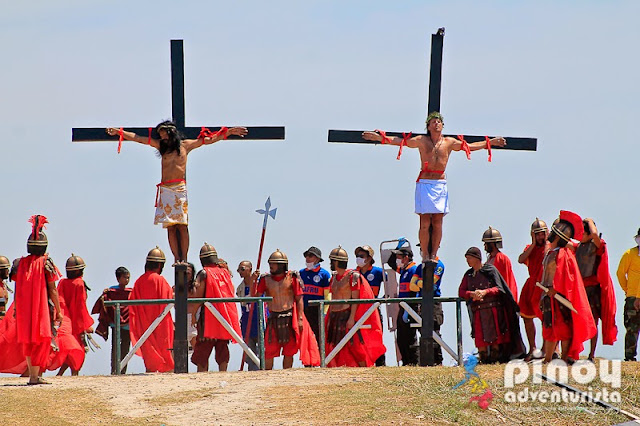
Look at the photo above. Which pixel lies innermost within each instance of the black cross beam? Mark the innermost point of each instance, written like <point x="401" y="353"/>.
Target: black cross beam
<point x="94" y="134"/>
<point x="435" y="85"/>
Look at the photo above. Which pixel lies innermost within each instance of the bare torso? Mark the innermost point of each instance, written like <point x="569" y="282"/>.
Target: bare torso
<point x="435" y="155"/>
<point x="549" y="271"/>
<point x="281" y="291"/>
<point x="174" y="166"/>
<point x="340" y="290"/>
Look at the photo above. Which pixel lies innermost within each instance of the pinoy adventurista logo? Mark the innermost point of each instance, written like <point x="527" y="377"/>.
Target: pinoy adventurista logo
<point x="479" y="388"/>
<point x="583" y="372"/>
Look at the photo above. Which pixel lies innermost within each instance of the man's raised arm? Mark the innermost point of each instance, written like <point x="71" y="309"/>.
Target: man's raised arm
<point x="381" y="137"/>
<point x="207" y="137"/>
<point x="475" y="146"/>
<point x="130" y="136"/>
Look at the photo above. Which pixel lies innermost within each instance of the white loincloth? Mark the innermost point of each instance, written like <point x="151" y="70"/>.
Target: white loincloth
<point x="432" y="196"/>
<point x="172" y="205"/>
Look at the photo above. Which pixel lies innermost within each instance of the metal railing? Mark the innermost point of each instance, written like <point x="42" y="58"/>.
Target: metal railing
<point x="170" y="302"/>
<point x="376" y="302"/>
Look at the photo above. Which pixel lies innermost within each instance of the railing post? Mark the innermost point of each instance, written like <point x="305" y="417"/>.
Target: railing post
<point x="322" y="334"/>
<point x="459" y="328"/>
<point x="260" y="306"/>
<point x="117" y="340"/>
<point x="180" y="344"/>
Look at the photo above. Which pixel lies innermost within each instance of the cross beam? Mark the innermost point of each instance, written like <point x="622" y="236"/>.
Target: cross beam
<point x="95" y="134"/>
<point x="435" y="85"/>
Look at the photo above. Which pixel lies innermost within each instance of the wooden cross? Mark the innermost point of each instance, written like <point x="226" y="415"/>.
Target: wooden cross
<point x="95" y="134"/>
<point x="435" y="84"/>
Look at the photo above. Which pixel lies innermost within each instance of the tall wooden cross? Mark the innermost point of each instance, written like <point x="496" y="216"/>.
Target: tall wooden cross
<point x="95" y="134"/>
<point x="180" y="345"/>
<point x="355" y="136"/>
<point x="435" y="84"/>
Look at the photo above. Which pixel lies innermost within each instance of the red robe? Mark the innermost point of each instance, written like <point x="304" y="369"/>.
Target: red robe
<point x="33" y="321"/>
<point x="568" y="281"/>
<point x="219" y="285"/>
<point x="530" y="294"/>
<point x="70" y="347"/>
<point x="155" y="351"/>
<point x="607" y="299"/>
<point x="11" y="359"/>
<point x="107" y="314"/>
<point x="373" y="345"/>
<point x="503" y="265"/>
<point x="74" y="294"/>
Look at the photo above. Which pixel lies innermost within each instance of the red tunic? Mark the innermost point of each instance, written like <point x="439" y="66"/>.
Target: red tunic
<point x="107" y="314"/>
<point x="155" y="351"/>
<point x="74" y="294"/>
<point x="219" y="285"/>
<point x="530" y="296"/>
<point x="503" y="265"/>
<point x="568" y="281"/>
<point x="373" y="347"/>
<point x="70" y="347"/>
<point x="607" y="299"/>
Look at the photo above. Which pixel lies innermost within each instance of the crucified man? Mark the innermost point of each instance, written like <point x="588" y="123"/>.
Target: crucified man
<point x="432" y="197"/>
<point x="171" y="197"/>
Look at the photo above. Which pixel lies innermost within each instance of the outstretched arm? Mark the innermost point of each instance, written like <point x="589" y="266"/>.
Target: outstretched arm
<point x="130" y="136"/>
<point x="475" y="146"/>
<point x="191" y="144"/>
<point x="391" y="140"/>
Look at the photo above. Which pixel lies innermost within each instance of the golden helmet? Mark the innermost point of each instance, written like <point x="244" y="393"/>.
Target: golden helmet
<point x="4" y="263"/>
<point x="492" y="235"/>
<point x="75" y="263"/>
<point x="208" y="250"/>
<point x="539" y="226"/>
<point x="339" y="254"/>
<point x="278" y="257"/>
<point x="156" y="255"/>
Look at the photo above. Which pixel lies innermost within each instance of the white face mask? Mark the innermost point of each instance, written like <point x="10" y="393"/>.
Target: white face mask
<point x="637" y="240"/>
<point x="310" y="265"/>
<point x="399" y="263"/>
<point x="360" y="262"/>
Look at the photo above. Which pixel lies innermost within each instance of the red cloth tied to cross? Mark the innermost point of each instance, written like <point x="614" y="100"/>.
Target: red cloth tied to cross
<point x="465" y="146"/>
<point x="385" y="138"/>
<point x="206" y="133"/>
<point x="486" y="138"/>
<point x="405" y="138"/>
<point x="121" y="134"/>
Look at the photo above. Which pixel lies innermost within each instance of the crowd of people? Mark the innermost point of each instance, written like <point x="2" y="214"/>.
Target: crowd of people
<point x="569" y="289"/>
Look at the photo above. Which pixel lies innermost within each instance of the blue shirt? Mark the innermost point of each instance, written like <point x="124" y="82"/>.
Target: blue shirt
<point x="438" y="272"/>
<point x="315" y="282"/>
<point x="405" y="279"/>
<point x="244" y="320"/>
<point x="375" y="279"/>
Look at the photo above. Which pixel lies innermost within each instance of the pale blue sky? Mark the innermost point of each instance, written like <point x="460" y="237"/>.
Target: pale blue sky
<point x="564" y="73"/>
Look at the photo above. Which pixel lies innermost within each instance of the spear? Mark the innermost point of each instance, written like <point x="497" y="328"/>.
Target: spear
<point x="266" y="212"/>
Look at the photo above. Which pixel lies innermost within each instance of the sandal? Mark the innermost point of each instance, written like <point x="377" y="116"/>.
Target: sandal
<point x="40" y="381"/>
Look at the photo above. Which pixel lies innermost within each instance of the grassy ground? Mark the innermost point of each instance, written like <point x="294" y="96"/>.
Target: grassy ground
<point x="306" y="396"/>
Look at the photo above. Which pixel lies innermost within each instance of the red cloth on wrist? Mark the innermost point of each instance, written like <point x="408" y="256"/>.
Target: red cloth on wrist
<point x="486" y="138"/>
<point x="121" y="133"/>
<point x="385" y="138"/>
<point x="206" y="133"/>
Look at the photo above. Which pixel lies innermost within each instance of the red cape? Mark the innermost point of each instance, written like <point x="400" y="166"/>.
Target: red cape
<point x="75" y="297"/>
<point x="11" y="359"/>
<point x="374" y="347"/>
<point x="568" y="281"/>
<point x="71" y="350"/>
<point x="503" y="265"/>
<point x="219" y="285"/>
<point x="155" y="350"/>
<point x="32" y="301"/>
<point x="607" y="300"/>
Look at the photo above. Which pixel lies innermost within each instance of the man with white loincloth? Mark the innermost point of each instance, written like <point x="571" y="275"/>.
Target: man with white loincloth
<point x="171" y="196"/>
<point x="432" y="197"/>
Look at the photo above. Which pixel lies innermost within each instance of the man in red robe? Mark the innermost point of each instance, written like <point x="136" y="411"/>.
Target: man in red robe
<point x="73" y="298"/>
<point x="529" y="302"/>
<point x="593" y="260"/>
<point x="561" y="275"/>
<point x="492" y="244"/>
<point x="156" y="350"/>
<point x="366" y="346"/>
<point x="213" y="281"/>
<point x="106" y="316"/>
<point x="287" y="328"/>
<point x="35" y="278"/>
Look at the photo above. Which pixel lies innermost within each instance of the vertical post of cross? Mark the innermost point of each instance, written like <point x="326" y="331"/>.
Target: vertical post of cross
<point x="177" y="84"/>
<point x="435" y="73"/>
<point x="180" y="344"/>
<point x="426" y="331"/>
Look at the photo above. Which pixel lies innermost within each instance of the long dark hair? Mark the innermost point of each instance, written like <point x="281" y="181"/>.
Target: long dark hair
<point x="174" y="142"/>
